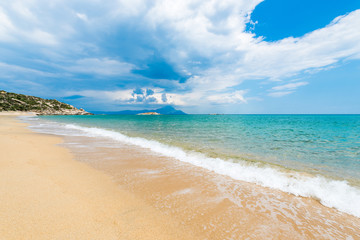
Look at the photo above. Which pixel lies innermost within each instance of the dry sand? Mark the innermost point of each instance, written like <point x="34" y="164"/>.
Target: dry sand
<point x="45" y="194"/>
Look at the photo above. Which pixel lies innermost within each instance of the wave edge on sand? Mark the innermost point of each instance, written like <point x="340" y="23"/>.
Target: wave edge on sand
<point x="331" y="193"/>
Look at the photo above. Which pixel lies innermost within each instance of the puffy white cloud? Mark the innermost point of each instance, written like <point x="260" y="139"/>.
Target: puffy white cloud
<point x="205" y="40"/>
<point x="214" y="33"/>
<point x="319" y="48"/>
<point x="288" y="57"/>
<point x="132" y="96"/>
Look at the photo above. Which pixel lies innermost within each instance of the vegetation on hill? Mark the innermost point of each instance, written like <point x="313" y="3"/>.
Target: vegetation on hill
<point x="24" y="103"/>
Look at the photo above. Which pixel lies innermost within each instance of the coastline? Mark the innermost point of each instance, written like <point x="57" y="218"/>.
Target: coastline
<point x="212" y="205"/>
<point x="46" y="194"/>
<point x="160" y="197"/>
<point x="208" y="204"/>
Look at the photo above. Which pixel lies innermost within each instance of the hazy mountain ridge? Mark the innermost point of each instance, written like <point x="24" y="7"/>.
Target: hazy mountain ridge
<point x="25" y="103"/>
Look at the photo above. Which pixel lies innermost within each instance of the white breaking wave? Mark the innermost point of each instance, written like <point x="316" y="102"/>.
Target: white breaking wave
<point x="330" y="193"/>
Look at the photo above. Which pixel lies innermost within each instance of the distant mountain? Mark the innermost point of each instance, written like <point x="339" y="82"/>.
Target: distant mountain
<point x="167" y="110"/>
<point x="24" y="103"/>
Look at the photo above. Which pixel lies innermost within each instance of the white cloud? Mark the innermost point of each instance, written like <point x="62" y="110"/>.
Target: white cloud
<point x="233" y="97"/>
<point x="82" y="16"/>
<point x="22" y="10"/>
<point x="13" y="31"/>
<point x="317" y="49"/>
<point x="129" y="97"/>
<point x="214" y="32"/>
<point x="205" y="28"/>
<point x="6" y="27"/>
<point x="101" y="66"/>
<point x="158" y="96"/>
<point x="204" y="39"/>
<point x="41" y="37"/>
<point x="280" y="94"/>
<point x="15" y="68"/>
<point x="290" y="86"/>
<point x="285" y="89"/>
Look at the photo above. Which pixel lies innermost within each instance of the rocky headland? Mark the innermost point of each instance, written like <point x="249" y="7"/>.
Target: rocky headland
<point x="13" y="102"/>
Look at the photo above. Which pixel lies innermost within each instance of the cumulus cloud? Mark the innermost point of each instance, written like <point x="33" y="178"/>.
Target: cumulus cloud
<point x="317" y="49"/>
<point x="164" y="98"/>
<point x="214" y="32"/>
<point x="149" y="92"/>
<point x="206" y="41"/>
<point x="258" y="59"/>
<point x="134" y="96"/>
<point x="148" y="95"/>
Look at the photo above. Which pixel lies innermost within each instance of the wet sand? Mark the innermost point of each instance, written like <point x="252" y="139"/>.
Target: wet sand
<point x="210" y="205"/>
<point x="46" y="194"/>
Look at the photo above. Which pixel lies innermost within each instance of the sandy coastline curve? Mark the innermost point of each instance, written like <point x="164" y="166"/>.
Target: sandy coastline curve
<point x="46" y="194"/>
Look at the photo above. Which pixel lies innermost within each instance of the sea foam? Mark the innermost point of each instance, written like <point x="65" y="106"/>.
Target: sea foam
<point x="331" y="193"/>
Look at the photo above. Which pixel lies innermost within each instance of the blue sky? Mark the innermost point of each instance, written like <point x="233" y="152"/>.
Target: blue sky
<point x="218" y="56"/>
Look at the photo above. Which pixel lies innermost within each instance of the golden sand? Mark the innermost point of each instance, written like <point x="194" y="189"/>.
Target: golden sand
<point x="134" y="194"/>
<point x="45" y="194"/>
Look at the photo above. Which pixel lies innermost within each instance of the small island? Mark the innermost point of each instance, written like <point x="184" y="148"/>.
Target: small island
<point x="149" y="113"/>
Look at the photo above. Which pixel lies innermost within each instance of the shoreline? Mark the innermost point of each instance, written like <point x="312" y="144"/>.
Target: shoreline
<point x="17" y="113"/>
<point x="46" y="194"/>
<point x="188" y="201"/>
<point x="330" y="192"/>
<point x="211" y="205"/>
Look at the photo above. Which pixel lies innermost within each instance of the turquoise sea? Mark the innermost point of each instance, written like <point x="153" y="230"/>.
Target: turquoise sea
<point x="309" y="155"/>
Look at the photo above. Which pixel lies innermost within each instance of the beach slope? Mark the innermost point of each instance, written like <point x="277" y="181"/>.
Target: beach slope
<point x="45" y="194"/>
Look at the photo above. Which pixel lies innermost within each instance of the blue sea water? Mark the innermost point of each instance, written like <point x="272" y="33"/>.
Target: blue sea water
<point x="270" y="150"/>
<point x="326" y="144"/>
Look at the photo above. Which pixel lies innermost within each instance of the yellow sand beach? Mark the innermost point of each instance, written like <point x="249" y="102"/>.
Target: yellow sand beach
<point x="48" y="191"/>
<point x="45" y="194"/>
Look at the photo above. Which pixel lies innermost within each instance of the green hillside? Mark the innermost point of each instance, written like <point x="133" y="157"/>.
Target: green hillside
<point x="24" y="103"/>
